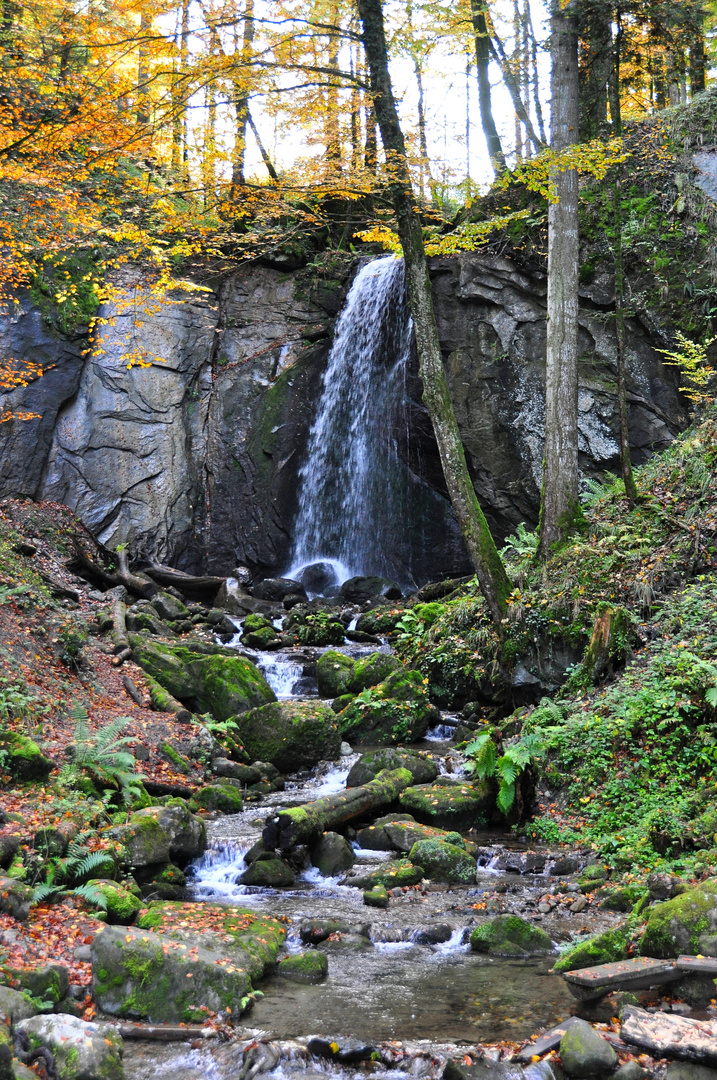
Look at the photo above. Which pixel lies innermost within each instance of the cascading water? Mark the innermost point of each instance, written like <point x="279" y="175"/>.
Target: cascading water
<point x="352" y="485"/>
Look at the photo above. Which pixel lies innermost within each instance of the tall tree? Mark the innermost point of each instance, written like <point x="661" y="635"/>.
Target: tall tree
<point x="559" y="499"/>
<point x="485" y="104"/>
<point x="482" y="551"/>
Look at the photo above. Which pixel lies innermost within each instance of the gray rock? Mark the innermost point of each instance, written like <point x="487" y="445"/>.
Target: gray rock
<point x="422" y="768"/>
<point x="269" y="873"/>
<point x="332" y="855"/>
<point x="168" y="607"/>
<point x="15" y="898"/>
<point x="15" y="1005"/>
<point x="160" y="834"/>
<point x="686" y="1070"/>
<point x="247" y="774"/>
<point x="82" y="1050"/>
<point x="632" y="1070"/>
<point x="584" y="1053"/>
<point x="49" y="982"/>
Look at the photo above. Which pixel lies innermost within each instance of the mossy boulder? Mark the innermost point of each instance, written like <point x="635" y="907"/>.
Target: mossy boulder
<point x="23" y="758"/>
<point x="422" y="768"/>
<point x="269" y="873"/>
<point x="122" y="905"/>
<point x="81" y="1050"/>
<point x="458" y="806"/>
<point x="159" y="834"/>
<point x="681" y="924"/>
<point x="15" y="1006"/>
<point x="182" y="960"/>
<point x="606" y="948"/>
<point x="377" y="897"/>
<point x="305" y="967"/>
<point x="444" y="862"/>
<point x="266" y="639"/>
<point x="169" y="607"/>
<point x="221" y="797"/>
<point x="394" y="834"/>
<point x="220" y="682"/>
<point x="395" y="711"/>
<point x="291" y="735"/>
<point x="375" y="669"/>
<point x="48" y="982"/>
<point x="584" y="1053"/>
<point x="6" y="1054"/>
<point x="392" y="875"/>
<point x="509" y="935"/>
<point x="334" y="671"/>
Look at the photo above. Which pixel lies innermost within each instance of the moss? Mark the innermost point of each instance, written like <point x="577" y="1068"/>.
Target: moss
<point x="606" y="948"/>
<point x="677" y="926"/>
<point x="122" y="906"/>
<point x="392" y="875"/>
<point x="24" y="760"/>
<point x="334" y="671"/>
<point x="306" y="967"/>
<point x="429" y="613"/>
<point x="456" y="807"/>
<point x="266" y="638"/>
<point x="343" y="701"/>
<point x="444" y="862"/>
<point x="290" y="735"/>
<point x="376" y="897"/>
<point x="225" y="798"/>
<point x="509" y="935"/>
<point x="373" y="670"/>
<point x="180" y="763"/>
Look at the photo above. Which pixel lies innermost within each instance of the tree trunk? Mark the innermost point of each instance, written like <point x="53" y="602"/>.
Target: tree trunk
<point x="482" y="551"/>
<point x="302" y="824"/>
<point x="559" y="501"/>
<point x="485" y="106"/>
<point x="497" y="51"/>
<point x="596" y="64"/>
<point x="241" y="98"/>
<point x="534" y="66"/>
<point x="698" y="62"/>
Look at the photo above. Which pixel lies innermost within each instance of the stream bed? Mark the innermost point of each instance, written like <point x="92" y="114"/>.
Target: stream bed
<point x="383" y="984"/>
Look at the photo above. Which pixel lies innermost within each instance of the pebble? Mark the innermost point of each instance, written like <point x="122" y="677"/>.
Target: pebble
<point x="578" y="905"/>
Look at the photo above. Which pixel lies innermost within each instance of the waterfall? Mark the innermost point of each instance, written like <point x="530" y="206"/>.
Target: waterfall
<point x="352" y="487"/>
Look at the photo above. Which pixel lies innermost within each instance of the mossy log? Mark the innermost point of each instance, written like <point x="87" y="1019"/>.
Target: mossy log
<point x="164" y="702"/>
<point x="303" y="824"/>
<point x="609" y="641"/>
<point x="119" y="625"/>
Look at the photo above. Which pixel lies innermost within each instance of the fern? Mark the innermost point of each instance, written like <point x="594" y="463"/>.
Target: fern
<point x="99" y="755"/>
<point x="522" y="543"/>
<point x="486" y="765"/>
<point x="482" y="752"/>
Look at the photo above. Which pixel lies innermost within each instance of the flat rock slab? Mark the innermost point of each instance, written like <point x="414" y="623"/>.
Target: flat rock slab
<point x="635" y="974"/>
<point x="700" y="965"/>
<point x="545" y="1043"/>
<point x="668" y="1035"/>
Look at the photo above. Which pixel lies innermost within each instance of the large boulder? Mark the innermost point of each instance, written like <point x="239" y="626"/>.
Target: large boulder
<point x="160" y="834"/>
<point x="357" y="590"/>
<point x="277" y="588"/>
<point x="450" y="806"/>
<point x="422" y="768"/>
<point x="509" y="935"/>
<point x="269" y="873"/>
<point x="15" y="1006"/>
<point x="682" y="925"/>
<point x="291" y="734"/>
<point x="182" y="960"/>
<point x="397" y="710"/>
<point x="81" y="1050"/>
<point x="332" y="855"/>
<point x="219" y="682"/>
<point x="444" y="862"/>
<point x="23" y="758"/>
<point x="334" y="671"/>
<point x="584" y="1053"/>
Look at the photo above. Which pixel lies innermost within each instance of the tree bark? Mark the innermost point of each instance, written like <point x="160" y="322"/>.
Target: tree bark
<point x="493" y="580"/>
<point x="559" y="501"/>
<point x="485" y="105"/>
<point x="302" y="824"/>
<point x="241" y="98"/>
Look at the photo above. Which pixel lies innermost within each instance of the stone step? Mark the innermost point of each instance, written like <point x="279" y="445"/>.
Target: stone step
<point x="545" y="1043"/>
<point x="638" y="973"/>
<point x="698" y="965"/>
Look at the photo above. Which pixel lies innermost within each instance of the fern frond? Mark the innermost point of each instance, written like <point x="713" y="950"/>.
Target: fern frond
<point x="482" y="752"/>
<point x="78" y="712"/>
<point x="505" y="797"/>
<point x="93" y="861"/>
<point x="91" y="894"/>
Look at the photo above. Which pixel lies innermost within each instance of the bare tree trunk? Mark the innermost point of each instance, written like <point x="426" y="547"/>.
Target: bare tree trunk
<point x="698" y="62"/>
<point x="482" y="46"/>
<point x="482" y="551"/>
<point x="534" y="65"/>
<point x="497" y="51"/>
<point x="517" y="71"/>
<point x="620" y="345"/>
<point x="262" y="150"/>
<point x="559" y="502"/>
<point x="241" y="99"/>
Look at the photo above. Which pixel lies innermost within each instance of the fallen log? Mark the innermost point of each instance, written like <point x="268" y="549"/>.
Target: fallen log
<point x="119" y="624"/>
<point x="134" y="582"/>
<point x="164" y="702"/>
<point x="132" y="690"/>
<point x="145" y="589"/>
<point x="201" y="586"/>
<point x="122" y="655"/>
<point x="669" y="1035"/>
<point x="302" y="824"/>
<point x="166" y="1032"/>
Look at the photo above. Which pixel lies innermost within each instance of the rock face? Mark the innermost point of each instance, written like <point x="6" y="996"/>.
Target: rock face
<point x="195" y="458"/>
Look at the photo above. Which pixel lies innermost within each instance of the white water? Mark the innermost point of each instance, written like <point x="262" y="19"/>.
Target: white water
<point x="215" y="874"/>
<point x="351" y="491"/>
<point x="281" y="674"/>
